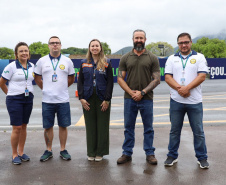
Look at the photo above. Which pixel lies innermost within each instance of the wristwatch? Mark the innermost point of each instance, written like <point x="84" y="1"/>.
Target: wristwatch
<point x="143" y="93"/>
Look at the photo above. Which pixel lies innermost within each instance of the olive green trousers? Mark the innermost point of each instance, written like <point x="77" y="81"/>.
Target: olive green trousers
<point x="97" y="128"/>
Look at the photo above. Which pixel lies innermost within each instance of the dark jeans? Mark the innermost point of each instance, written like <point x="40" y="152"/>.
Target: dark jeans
<point x="131" y="108"/>
<point x="195" y="116"/>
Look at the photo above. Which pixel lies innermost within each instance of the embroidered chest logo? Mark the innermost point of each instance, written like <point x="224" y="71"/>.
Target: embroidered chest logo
<point x="192" y="61"/>
<point x="62" y="67"/>
<point x="101" y="71"/>
<point x="6" y="71"/>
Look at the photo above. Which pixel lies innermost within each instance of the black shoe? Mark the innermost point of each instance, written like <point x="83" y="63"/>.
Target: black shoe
<point x="203" y="164"/>
<point x="123" y="159"/>
<point x="170" y="161"/>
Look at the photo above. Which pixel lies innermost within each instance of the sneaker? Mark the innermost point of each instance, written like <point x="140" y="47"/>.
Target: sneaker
<point x="65" y="155"/>
<point x="203" y="163"/>
<point x="24" y="157"/>
<point x="98" y="158"/>
<point x="151" y="159"/>
<point x="124" y="159"/>
<point x="46" y="156"/>
<point x="91" y="158"/>
<point x="170" y="161"/>
<point x="16" y="161"/>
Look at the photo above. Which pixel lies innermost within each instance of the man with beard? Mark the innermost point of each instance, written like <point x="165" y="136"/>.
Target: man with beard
<point x="184" y="73"/>
<point x="143" y="75"/>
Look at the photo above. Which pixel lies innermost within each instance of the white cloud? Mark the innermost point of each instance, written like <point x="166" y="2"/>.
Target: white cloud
<point x="111" y="21"/>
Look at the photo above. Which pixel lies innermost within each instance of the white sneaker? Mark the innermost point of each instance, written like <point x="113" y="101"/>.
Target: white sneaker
<point x="91" y="158"/>
<point x="98" y="158"/>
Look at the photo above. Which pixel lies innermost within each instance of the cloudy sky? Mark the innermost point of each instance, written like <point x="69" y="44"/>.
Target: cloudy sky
<point x="77" y="22"/>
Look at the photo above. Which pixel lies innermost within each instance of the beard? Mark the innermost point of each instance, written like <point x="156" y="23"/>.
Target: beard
<point x="139" y="46"/>
<point x="185" y="52"/>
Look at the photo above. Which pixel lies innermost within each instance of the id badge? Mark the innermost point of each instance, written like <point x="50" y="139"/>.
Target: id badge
<point x="26" y="92"/>
<point x="54" y="77"/>
<point x="182" y="81"/>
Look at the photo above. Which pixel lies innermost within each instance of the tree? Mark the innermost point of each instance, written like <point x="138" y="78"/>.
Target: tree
<point x="74" y="51"/>
<point x="83" y="51"/>
<point x="106" y="48"/>
<point x="210" y="48"/>
<point x="39" y="48"/>
<point x="166" y="51"/>
<point x="6" y="53"/>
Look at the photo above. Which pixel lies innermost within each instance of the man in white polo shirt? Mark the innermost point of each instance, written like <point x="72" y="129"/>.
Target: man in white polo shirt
<point x="184" y="73"/>
<point x="54" y="73"/>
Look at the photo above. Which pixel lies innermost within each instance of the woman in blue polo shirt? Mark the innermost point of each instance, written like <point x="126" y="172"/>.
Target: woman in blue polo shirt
<point x="95" y="86"/>
<point x="19" y="99"/>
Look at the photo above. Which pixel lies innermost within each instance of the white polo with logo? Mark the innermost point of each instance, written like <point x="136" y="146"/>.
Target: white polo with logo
<point x="196" y="64"/>
<point x="55" y="92"/>
<point x="14" y="73"/>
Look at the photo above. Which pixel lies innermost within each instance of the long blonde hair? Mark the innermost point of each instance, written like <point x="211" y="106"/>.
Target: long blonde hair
<point x="102" y="59"/>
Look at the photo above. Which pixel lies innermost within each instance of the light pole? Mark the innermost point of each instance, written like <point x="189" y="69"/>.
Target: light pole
<point x="161" y="46"/>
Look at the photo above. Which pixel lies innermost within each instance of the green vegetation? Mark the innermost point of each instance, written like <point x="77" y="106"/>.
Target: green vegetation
<point x="153" y="47"/>
<point x="6" y="53"/>
<point x="210" y="48"/>
<point x="83" y="51"/>
<point x="39" y="48"/>
<point x="106" y="48"/>
<point x="43" y="49"/>
<point x="74" y="51"/>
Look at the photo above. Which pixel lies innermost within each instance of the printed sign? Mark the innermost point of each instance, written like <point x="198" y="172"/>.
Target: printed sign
<point x="217" y="67"/>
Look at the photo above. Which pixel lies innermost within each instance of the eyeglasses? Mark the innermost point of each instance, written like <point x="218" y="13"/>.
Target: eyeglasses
<point x="52" y="43"/>
<point x="183" y="43"/>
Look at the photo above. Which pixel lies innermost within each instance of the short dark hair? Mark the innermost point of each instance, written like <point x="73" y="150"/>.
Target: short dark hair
<point x="54" y="37"/>
<point x="184" y="34"/>
<point x="139" y="30"/>
<point x="21" y="44"/>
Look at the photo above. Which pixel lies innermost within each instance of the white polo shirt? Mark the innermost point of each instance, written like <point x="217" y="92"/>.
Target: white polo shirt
<point x="14" y="73"/>
<point x="196" y="64"/>
<point x="55" y="92"/>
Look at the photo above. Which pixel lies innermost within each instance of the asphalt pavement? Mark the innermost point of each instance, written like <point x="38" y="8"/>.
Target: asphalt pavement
<point x="81" y="171"/>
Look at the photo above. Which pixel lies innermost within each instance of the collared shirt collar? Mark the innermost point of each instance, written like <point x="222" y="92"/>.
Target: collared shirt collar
<point x="192" y="53"/>
<point x="51" y="58"/>
<point x="19" y="66"/>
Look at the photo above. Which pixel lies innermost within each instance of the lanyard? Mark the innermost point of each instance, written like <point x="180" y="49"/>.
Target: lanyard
<point x="94" y="75"/>
<point x="54" y="68"/>
<point x="184" y="65"/>
<point x="26" y="76"/>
